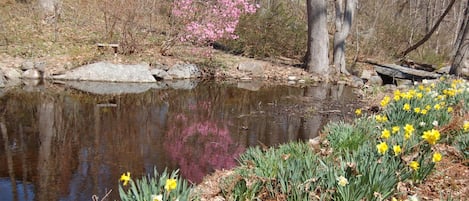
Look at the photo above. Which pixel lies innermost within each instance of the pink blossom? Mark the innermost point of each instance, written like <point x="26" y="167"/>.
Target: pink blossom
<point x="210" y="20"/>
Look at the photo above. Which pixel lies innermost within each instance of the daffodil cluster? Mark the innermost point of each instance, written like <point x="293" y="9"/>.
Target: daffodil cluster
<point x="411" y="122"/>
<point x="159" y="187"/>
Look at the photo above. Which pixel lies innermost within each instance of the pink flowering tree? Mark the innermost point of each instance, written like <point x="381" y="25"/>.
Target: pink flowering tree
<point x="206" y="21"/>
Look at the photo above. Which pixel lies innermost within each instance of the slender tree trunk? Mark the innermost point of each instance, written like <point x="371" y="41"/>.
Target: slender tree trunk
<point x="343" y="24"/>
<point x="429" y="34"/>
<point x="317" y="60"/>
<point x="461" y="56"/>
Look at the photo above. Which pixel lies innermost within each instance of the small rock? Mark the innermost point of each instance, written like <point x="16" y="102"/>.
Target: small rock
<point x="366" y="74"/>
<point x="291" y="82"/>
<point x="11" y="73"/>
<point x="184" y="71"/>
<point x="357" y="82"/>
<point x="292" y="78"/>
<point x="27" y="65"/>
<point x="160" y="74"/>
<point x="40" y="66"/>
<point x="375" y="80"/>
<point x="301" y="81"/>
<point x="32" y="74"/>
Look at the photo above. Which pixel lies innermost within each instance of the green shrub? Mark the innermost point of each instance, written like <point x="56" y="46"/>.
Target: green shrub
<point x="277" y="30"/>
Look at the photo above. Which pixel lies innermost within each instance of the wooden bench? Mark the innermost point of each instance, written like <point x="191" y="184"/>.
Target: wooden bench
<point x="101" y="46"/>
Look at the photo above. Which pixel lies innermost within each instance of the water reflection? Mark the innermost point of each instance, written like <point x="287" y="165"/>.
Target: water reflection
<point x="62" y="144"/>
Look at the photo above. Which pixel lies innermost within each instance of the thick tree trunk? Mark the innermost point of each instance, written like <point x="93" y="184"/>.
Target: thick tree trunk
<point x="461" y="55"/>
<point x="317" y="60"/>
<point x="343" y="24"/>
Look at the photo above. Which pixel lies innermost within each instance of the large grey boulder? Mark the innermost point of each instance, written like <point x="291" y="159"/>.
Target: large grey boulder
<point x="109" y="72"/>
<point x="184" y="71"/>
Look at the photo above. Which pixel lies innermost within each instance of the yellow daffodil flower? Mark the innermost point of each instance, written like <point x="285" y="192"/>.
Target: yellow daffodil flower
<point x="382" y="147"/>
<point x="358" y="112"/>
<point x="414" y="165"/>
<point x="397" y="149"/>
<point x="424" y="111"/>
<point x="385" y="101"/>
<point x="385" y="134"/>
<point x="466" y="126"/>
<point x="450" y="109"/>
<point x="436" y="157"/>
<point x="381" y="118"/>
<point x="409" y="129"/>
<point x="417" y="110"/>
<point x="406" y="107"/>
<point x="395" y="129"/>
<point x="125" y="178"/>
<point x="170" y="185"/>
<point x="431" y="136"/>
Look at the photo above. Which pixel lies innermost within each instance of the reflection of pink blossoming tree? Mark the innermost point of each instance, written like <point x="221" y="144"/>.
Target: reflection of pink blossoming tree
<point x="205" y="21"/>
<point x="200" y="145"/>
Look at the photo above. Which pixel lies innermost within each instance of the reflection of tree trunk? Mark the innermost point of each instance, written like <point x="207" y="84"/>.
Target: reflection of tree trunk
<point x="11" y="172"/>
<point x="312" y="125"/>
<point x="46" y="166"/>
<point x="24" y="161"/>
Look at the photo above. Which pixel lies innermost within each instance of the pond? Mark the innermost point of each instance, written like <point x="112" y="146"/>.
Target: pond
<point x="61" y="143"/>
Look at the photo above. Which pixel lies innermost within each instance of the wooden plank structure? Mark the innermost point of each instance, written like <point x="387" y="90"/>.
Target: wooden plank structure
<point x="394" y="71"/>
<point x="101" y="46"/>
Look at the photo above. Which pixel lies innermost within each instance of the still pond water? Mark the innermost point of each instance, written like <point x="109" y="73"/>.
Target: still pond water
<point x="60" y="143"/>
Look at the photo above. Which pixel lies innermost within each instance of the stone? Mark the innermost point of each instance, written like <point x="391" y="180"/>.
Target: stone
<point x="292" y="78"/>
<point x="366" y="74"/>
<point x="32" y="74"/>
<point x="40" y="66"/>
<point x="27" y="65"/>
<point x="160" y="74"/>
<point x="255" y="69"/>
<point x="357" y="82"/>
<point x="11" y="73"/>
<point x="184" y="71"/>
<point x="375" y="80"/>
<point x="108" y="72"/>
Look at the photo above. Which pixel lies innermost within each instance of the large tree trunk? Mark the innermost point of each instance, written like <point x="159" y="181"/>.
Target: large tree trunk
<point x="317" y="60"/>
<point x="343" y="24"/>
<point x="461" y="47"/>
